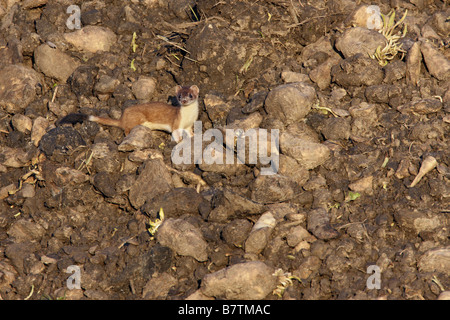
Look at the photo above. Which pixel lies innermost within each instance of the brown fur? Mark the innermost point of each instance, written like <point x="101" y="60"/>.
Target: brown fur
<point x="156" y="112"/>
<point x="155" y="115"/>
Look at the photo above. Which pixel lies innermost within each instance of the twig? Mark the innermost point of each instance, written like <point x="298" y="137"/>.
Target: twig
<point x="172" y="43"/>
<point x="31" y="292"/>
<point x="172" y="61"/>
<point x="54" y="93"/>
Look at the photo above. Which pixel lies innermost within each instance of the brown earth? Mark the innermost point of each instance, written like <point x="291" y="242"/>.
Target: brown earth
<point x="354" y="134"/>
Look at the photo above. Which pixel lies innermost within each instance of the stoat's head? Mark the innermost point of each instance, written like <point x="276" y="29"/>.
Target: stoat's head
<point x="187" y="95"/>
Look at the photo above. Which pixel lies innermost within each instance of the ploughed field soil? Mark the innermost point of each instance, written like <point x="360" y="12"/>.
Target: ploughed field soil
<point x="358" y="207"/>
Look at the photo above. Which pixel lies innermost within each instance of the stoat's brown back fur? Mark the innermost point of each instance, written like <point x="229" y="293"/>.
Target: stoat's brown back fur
<point x="154" y="115"/>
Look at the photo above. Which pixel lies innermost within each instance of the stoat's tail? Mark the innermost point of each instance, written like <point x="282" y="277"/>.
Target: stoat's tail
<point x="80" y="117"/>
<point x="105" y="121"/>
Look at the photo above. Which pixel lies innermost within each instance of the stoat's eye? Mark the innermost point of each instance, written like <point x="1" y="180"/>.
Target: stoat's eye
<point x="190" y="95"/>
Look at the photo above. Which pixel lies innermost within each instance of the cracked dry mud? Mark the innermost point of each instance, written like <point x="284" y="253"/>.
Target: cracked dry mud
<point x="353" y="135"/>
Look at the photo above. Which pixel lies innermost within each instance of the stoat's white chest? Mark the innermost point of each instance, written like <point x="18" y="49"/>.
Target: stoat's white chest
<point x="189" y="114"/>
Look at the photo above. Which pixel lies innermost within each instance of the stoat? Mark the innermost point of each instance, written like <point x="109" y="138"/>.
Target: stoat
<point x="154" y="115"/>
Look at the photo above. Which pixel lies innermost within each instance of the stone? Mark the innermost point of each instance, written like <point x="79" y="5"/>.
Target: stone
<point x="445" y="295"/>
<point x="158" y="288"/>
<point x="289" y="167"/>
<point x="217" y="109"/>
<point x="290" y="102"/>
<point x="24" y="230"/>
<point x="303" y="131"/>
<point x="150" y="3"/>
<point x="252" y="280"/>
<point x="308" y="267"/>
<point x="140" y="155"/>
<point x="54" y="63"/>
<point x="256" y="102"/>
<point x="9" y="273"/>
<point x="82" y="80"/>
<point x="437" y="64"/>
<point x="105" y="157"/>
<point x="378" y="93"/>
<point x="175" y="203"/>
<point x="157" y="259"/>
<point x="91" y="17"/>
<point x="154" y="179"/>
<point x="413" y="63"/>
<point x="273" y="188"/>
<point x="198" y="295"/>
<point x="236" y="232"/>
<point x="321" y="75"/>
<point x="183" y="238"/>
<point x="17" y="252"/>
<point x="252" y="121"/>
<point x="308" y="154"/>
<point x="365" y="111"/>
<point x="298" y="234"/>
<point x="144" y="88"/>
<point x="357" y="70"/>
<point x="365" y="16"/>
<point x="290" y="77"/>
<point x="336" y="129"/>
<point x="394" y="71"/>
<point x="61" y="139"/>
<point x="140" y="137"/>
<point x="422" y="106"/>
<point x="68" y="176"/>
<point x="38" y="129"/>
<point x="359" y="41"/>
<point x="27" y="191"/>
<point x="106" y="84"/>
<point x="21" y="123"/>
<point x="403" y="169"/>
<point x="363" y="185"/>
<point x="253" y="145"/>
<point x="439" y="22"/>
<point x="4" y="191"/>
<point x="18" y="86"/>
<point x="435" y="260"/>
<point x="418" y="221"/>
<point x="15" y="157"/>
<point x="91" y="39"/>
<point x="29" y="4"/>
<point x="318" y="224"/>
<point x="105" y="183"/>
<point x="320" y="56"/>
<point x="228" y="205"/>
<point x="260" y="233"/>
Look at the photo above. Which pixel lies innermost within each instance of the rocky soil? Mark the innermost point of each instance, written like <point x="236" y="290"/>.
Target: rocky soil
<point x="364" y="160"/>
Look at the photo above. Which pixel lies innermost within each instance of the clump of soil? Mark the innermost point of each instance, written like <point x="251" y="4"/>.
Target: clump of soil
<point x="354" y="132"/>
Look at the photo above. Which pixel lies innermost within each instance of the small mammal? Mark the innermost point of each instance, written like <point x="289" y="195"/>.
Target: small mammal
<point x="153" y="115"/>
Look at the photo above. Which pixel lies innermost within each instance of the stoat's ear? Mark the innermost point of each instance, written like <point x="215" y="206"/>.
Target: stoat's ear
<point x="195" y="89"/>
<point x="178" y="89"/>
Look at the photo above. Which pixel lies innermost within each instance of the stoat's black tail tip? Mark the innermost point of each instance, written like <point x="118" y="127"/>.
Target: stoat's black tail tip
<point x="73" y="118"/>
